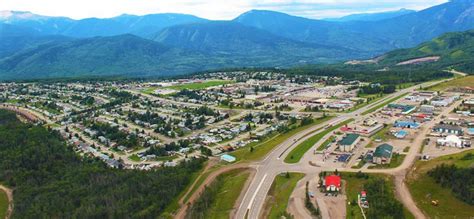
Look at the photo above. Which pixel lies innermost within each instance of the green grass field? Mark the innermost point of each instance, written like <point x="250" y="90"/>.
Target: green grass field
<point x="383" y="134"/>
<point x="353" y="185"/>
<point x="458" y="82"/>
<point x="264" y="147"/>
<point x="297" y="153"/>
<point x="3" y="204"/>
<point x="229" y="191"/>
<point x="199" y="86"/>
<point x="279" y="194"/>
<point x="200" y="179"/>
<point x="424" y="189"/>
<point x="326" y="143"/>
<point x="134" y="158"/>
<point x="375" y="108"/>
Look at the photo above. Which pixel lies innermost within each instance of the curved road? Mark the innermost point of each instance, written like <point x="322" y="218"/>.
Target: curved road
<point x="273" y="164"/>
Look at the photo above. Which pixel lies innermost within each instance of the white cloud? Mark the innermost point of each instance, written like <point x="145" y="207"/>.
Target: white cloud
<point x="211" y="9"/>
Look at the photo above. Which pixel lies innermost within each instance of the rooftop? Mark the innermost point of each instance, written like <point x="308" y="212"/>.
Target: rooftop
<point x="383" y="150"/>
<point x="349" y="139"/>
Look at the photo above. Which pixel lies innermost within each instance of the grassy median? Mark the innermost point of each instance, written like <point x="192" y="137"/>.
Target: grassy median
<point x="218" y="200"/>
<point x="279" y="194"/>
<point x="260" y="149"/>
<point x="375" y="108"/>
<point x="3" y="204"/>
<point x="297" y="153"/>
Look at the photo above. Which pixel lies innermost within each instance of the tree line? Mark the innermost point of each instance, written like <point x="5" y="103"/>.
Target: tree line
<point x="459" y="180"/>
<point x="51" y="181"/>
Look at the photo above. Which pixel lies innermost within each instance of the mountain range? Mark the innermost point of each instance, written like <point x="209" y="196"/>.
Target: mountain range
<point x="372" y="16"/>
<point x="34" y="46"/>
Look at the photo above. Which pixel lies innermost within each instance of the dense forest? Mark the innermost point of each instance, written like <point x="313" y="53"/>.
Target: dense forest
<point x="459" y="180"/>
<point x="382" y="202"/>
<point x="373" y="73"/>
<point x="51" y="181"/>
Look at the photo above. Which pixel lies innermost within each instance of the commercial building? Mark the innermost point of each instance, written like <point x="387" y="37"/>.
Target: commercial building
<point x="450" y="141"/>
<point x="428" y="109"/>
<point x="448" y="129"/>
<point x="406" y="124"/>
<point x="383" y="154"/>
<point x="348" y="142"/>
<point x="332" y="183"/>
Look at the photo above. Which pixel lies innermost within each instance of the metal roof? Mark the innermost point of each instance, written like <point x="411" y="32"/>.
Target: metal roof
<point x="383" y="150"/>
<point x="349" y="139"/>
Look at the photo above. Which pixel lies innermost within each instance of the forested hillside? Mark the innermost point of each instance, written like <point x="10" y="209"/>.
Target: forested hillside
<point x="51" y="181"/>
<point x="454" y="50"/>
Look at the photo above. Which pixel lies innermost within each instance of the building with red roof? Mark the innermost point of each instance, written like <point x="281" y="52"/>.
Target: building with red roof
<point x="332" y="183"/>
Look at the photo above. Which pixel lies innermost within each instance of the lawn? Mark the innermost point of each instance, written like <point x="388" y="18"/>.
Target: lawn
<point x="397" y="160"/>
<point x="166" y="158"/>
<point x="297" y="153"/>
<point x="383" y="134"/>
<point x="458" y="82"/>
<point x="375" y="108"/>
<point x="353" y="185"/>
<point x="279" y="194"/>
<point x="134" y="158"/>
<point x="264" y="147"/>
<point x="325" y="144"/>
<point x="3" y="204"/>
<point x="424" y="189"/>
<point x="199" y="86"/>
<point x="228" y="192"/>
<point x="360" y="164"/>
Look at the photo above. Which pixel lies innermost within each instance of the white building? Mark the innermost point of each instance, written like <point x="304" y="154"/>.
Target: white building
<point x="450" y="141"/>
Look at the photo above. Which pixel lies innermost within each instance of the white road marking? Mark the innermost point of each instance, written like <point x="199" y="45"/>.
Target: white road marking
<point x="256" y="191"/>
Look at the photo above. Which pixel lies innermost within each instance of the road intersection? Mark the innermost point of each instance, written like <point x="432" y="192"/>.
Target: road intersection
<point x="273" y="164"/>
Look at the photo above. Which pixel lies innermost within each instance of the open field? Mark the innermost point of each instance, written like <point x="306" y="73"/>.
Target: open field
<point x="353" y="185"/>
<point x="199" y="86"/>
<point x="375" y="108"/>
<point x="424" y="189"/>
<point x="264" y="147"/>
<point x="297" y="153"/>
<point x="228" y="193"/>
<point x="458" y="82"/>
<point x="383" y="134"/>
<point x="279" y="194"/>
<point x="3" y="204"/>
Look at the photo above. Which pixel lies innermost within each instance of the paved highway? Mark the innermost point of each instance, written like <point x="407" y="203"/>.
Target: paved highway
<point x="273" y="164"/>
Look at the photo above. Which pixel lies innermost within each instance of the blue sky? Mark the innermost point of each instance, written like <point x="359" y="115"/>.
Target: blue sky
<point x="211" y="9"/>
